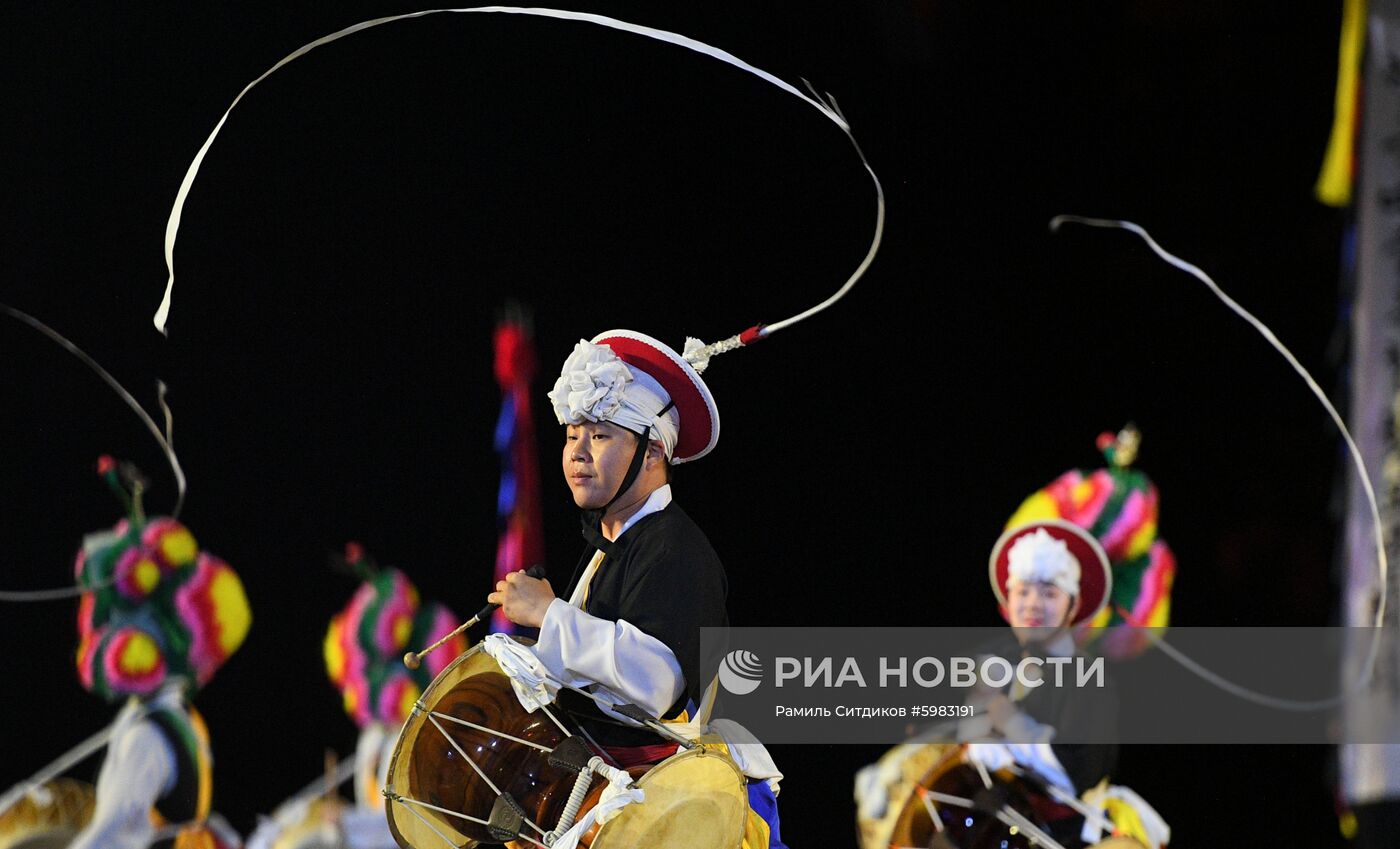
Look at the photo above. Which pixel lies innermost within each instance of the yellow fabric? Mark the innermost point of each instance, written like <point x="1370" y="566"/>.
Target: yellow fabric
<point x="596" y="563"/>
<point x="206" y="765"/>
<point x="756" y="833"/>
<point x="1126" y="822"/>
<point x="205" y="790"/>
<point x="195" y="838"/>
<point x="1334" y="183"/>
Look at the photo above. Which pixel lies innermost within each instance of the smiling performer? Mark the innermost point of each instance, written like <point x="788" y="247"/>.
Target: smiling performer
<point x="1048" y="577"/>
<point x="648" y="580"/>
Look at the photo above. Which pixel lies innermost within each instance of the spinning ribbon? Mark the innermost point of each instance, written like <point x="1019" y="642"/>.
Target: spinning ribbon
<point x="698" y="354"/>
<point x="1382" y="562"/>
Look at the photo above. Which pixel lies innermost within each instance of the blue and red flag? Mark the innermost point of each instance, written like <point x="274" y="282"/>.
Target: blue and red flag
<point x="521" y="541"/>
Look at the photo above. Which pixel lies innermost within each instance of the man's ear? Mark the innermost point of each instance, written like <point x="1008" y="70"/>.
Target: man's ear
<point x="656" y="453"/>
<point x="1071" y="613"/>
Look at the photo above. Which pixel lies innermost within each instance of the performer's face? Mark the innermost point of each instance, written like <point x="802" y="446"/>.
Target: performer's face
<point x="1037" y="605"/>
<point x="596" y="457"/>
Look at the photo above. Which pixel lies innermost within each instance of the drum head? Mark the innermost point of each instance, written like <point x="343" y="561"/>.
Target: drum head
<point x="694" y="800"/>
<point x="905" y="765"/>
<point x="428" y="769"/>
<point x="65" y="806"/>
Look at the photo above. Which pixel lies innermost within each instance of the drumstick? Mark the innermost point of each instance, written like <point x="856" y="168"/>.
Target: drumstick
<point x="415" y="659"/>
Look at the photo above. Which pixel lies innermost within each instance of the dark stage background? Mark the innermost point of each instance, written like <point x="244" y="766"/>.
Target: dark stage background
<point x="366" y="211"/>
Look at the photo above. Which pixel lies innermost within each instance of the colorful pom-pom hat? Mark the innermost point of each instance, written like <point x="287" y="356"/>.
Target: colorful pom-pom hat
<point x="1094" y="576"/>
<point x="1119" y="506"/>
<point x="156" y="608"/>
<point x="366" y="642"/>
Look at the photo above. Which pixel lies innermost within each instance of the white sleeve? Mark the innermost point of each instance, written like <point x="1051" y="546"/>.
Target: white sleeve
<point x="579" y="649"/>
<point x="1041" y="758"/>
<point x="139" y="769"/>
<point x="1022" y="728"/>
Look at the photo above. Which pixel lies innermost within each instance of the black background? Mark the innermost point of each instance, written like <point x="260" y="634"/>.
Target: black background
<point x="366" y="210"/>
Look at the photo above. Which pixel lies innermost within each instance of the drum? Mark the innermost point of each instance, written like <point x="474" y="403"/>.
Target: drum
<point x="468" y="742"/>
<point x="695" y="799"/>
<point x="929" y="805"/>
<point x="903" y="766"/>
<point x="50" y="819"/>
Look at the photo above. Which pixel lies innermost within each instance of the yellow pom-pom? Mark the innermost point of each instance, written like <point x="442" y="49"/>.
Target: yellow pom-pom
<point x="230" y="610"/>
<point x="1081" y="493"/>
<point x="1346" y="823"/>
<point x="403" y="629"/>
<point x="332" y="650"/>
<point x="408" y="699"/>
<point x="140" y="655"/>
<point x="178" y="547"/>
<point x="146" y="575"/>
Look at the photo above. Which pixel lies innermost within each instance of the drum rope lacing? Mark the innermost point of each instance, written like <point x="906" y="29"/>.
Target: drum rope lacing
<point x="932" y="811"/>
<point x="432" y="717"/>
<point x="576" y="796"/>
<point x="1006" y="814"/>
<point x="492" y="731"/>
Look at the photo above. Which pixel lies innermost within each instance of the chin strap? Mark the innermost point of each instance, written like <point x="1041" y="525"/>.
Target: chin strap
<point x="593" y="519"/>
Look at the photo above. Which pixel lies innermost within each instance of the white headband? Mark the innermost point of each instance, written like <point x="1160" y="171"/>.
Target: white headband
<point x="1042" y="558"/>
<point x="596" y="386"/>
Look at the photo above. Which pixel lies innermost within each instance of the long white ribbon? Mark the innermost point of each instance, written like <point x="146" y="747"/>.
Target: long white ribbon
<point x="127" y="397"/>
<point x="1382" y="562"/>
<point x="826" y="107"/>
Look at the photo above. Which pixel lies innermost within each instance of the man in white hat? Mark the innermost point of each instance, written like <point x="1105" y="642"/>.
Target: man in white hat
<point x="648" y="580"/>
<point x="1049" y="577"/>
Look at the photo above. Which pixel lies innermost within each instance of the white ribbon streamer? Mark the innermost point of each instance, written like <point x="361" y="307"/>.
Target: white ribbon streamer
<point x="1382" y="562"/>
<point x="122" y="392"/>
<point x="827" y="107"/>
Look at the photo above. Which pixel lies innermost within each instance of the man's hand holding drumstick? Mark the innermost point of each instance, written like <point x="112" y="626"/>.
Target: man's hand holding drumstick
<point x="535" y="575"/>
<point x="523" y="599"/>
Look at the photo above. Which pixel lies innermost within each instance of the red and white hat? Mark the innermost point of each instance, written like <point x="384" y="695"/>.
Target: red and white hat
<point x="1055" y="552"/>
<point x="634" y="381"/>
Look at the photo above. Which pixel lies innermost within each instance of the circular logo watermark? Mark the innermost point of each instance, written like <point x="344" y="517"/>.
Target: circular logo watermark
<point x="740" y="672"/>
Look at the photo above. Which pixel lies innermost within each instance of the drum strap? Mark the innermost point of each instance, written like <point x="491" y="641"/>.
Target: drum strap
<point x="626" y="756"/>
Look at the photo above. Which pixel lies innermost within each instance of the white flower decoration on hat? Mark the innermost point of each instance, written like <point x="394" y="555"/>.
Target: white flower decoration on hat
<point x="596" y="385"/>
<point x="590" y="385"/>
<point x="1041" y="558"/>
